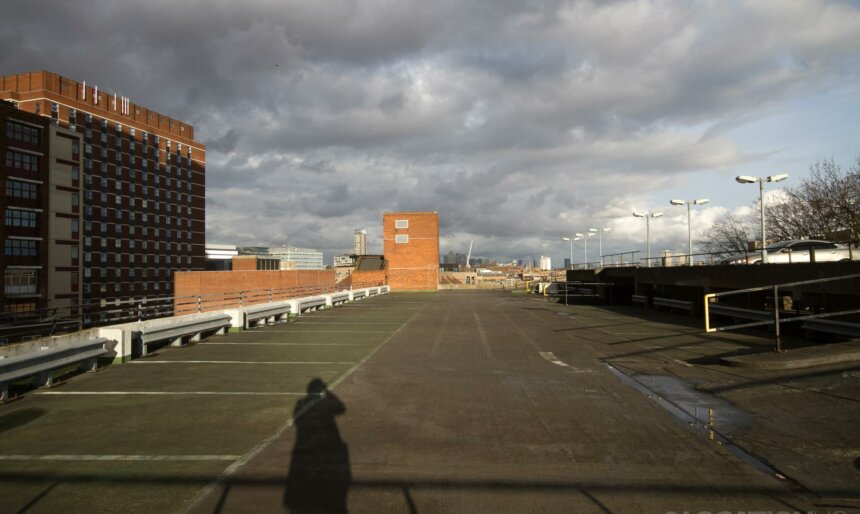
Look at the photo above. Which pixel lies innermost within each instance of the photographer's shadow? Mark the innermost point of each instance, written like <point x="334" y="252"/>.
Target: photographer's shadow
<point x="319" y="475"/>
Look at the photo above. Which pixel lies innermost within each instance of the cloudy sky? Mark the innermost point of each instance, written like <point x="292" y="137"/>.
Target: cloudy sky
<point x="518" y="121"/>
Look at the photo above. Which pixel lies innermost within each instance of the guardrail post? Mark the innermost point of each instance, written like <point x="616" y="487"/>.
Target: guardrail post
<point x="776" y="317"/>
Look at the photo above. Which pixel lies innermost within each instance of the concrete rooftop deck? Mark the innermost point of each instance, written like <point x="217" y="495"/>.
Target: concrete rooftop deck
<point x="448" y="402"/>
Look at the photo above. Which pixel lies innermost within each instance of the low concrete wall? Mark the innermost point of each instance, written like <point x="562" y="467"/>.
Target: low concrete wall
<point x="60" y="341"/>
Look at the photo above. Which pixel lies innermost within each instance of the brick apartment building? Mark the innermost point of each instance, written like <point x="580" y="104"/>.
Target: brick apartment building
<point x="24" y="155"/>
<point x="411" y="242"/>
<point x="117" y="192"/>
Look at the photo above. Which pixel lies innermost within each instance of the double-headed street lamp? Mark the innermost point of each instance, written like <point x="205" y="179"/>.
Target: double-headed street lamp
<point x="571" y="239"/>
<point x="647" y="216"/>
<point x="584" y="236"/>
<point x="746" y="179"/>
<point x="599" y="232"/>
<point x="700" y="201"/>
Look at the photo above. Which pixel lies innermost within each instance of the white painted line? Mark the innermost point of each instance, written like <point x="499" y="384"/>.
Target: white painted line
<point x="302" y="322"/>
<point x="120" y="457"/>
<point x="160" y="393"/>
<point x="238" y="362"/>
<point x="327" y="331"/>
<point x="285" y="344"/>
<point x="555" y="360"/>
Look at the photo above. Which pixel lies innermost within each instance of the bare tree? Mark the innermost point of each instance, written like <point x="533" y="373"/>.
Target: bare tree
<point x="729" y="234"/>
<point x="824" y="205"/>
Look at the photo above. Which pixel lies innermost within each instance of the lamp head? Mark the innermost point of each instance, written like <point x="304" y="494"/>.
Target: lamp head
<point x="656" y="214"/>
<point x="677" y="202"/>
<point x="578" y="234"/>
<point x="639" y="214"/>
<point x="566" y="238"/>
<point x="745" y="179"/>
<point x="607" y="229"/>
<point x="593" y="230"/>
<point x="777" y="178"/>
<point x="701" y="201"/>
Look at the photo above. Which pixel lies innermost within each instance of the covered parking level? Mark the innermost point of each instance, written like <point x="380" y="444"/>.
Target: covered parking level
<point x="450" y="402"/>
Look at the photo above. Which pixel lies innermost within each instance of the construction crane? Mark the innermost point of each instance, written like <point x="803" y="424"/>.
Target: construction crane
<point x="469" y="255"/>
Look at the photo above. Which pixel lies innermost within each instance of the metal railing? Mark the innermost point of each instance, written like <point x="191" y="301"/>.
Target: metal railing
<point x="776" y="321"/>
<point x="23" y="326"/>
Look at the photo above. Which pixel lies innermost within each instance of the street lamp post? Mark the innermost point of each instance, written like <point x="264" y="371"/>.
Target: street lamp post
<point x="571" y="239"/>
<point x="599" y="232"/>
<point x="647" y="216"/>
<point x="584" y="236"/>
<point x="700" y="201"/>
<point x="746" y="179"/>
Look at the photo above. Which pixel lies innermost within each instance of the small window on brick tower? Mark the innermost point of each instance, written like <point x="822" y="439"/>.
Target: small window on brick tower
<point x="401" y="238"/>
<point x="401" y="223"/>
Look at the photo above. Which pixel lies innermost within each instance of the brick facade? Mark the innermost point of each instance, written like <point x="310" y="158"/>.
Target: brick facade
<point x="412" y="251"/>
<point x="223" y="284"/>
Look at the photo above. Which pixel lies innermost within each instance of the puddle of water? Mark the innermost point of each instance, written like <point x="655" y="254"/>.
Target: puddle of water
<point x="702" y="407"/>
<point x="687" y="404"/>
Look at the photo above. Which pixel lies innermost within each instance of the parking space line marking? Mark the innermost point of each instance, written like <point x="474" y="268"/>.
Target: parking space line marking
<point x="328" y="331"/>
<point x="348" y="323"/>
<point x="287" y="344"/>
<point x="159" y="393"/>
<point x="553" y="359"/>
<point x="239" y="362"/>
<point x="120" y="457"/>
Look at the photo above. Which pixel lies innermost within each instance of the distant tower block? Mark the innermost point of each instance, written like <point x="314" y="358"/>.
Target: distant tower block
<point x="359" y="242"/>
<point x="412" y="250"/>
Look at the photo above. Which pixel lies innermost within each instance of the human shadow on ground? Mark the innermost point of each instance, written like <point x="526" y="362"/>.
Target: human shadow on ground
<point x="319" y="476"/>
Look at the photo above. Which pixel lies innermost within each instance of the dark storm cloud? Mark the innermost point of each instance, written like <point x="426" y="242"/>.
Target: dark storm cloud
<point x="512" y="119"/>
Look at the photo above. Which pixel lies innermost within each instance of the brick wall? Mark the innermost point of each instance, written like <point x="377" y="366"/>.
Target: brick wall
<point x="220" y="288"/>
<point x="412" y="265"/>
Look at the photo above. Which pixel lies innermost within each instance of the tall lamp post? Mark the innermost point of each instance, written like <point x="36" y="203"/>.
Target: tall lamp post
<point x="584" y="236"/>
<point x="599" y="232"/>
<point x="647" y="216"/>
<point x="571" y="239"/>
<point x="688" y="203"/>
<point x="746" y="179"/>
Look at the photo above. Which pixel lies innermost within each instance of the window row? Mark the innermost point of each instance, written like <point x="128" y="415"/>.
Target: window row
<point x="23" y="133"/>
<point x="22" y="161"/>
<point x="21" y="218"/>
<point x="18" y="282"/>
<point x="21" y="248"/>
<point x="18" y="189"/>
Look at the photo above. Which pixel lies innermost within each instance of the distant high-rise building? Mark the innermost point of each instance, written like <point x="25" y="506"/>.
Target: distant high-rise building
<point x="126" y="207"/>
<point x="451" y="258"/>
<point x="567" y="263"/>
<point x="545" y="263"/>
<point x="359" y="242"/>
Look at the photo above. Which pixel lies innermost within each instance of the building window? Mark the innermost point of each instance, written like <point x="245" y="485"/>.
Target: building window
<point x="21" y="248"/>
<point x="19" y="218"/>
<point x="401" y="224"/>
<point x="22" y="161"/>
<point x="20" y="282"/>
<point x="401" y="239"/>
<point x="23" y="133"/>
<point x="18" y="189"/>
